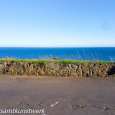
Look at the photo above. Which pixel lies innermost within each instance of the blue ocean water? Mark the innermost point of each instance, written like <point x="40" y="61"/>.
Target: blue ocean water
<point x="94" y="53"/>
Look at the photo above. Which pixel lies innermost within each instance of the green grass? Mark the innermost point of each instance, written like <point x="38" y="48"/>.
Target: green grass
<point x="64" y="62"/>
<point x="13" y="60"/>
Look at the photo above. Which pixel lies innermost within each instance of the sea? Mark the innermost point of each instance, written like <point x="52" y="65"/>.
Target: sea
<point x="67" y="53"/>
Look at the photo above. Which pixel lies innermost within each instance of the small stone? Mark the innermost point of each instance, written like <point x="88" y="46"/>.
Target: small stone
<point x="69" y="65"/>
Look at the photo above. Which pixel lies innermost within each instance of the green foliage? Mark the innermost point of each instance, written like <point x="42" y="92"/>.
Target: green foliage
<point x="36" y="58"/>
<point x="13" y="60"/>
<point x="101" y="62"/>
<point x="40" y="62"/>
<point x="64" y="62"/>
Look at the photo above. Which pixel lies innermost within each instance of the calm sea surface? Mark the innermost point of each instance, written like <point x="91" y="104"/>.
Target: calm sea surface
<point x="103" y="53"/>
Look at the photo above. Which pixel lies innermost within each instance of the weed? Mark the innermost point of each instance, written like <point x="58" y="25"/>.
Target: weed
<point x="7" y="57"/>
<point x="36" y="58"/>
<point x="7" y="103"/>
<point x="84" y="106"/>
<point x="9" y="73"/>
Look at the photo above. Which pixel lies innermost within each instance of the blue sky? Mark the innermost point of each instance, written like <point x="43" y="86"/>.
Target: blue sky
<point x="57" y="23"/>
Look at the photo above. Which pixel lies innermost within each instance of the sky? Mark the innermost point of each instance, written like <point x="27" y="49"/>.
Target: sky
<point x="57" y="23"/>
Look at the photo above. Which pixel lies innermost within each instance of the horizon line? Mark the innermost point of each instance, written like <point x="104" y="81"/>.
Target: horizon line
<point x="57" y="47"/>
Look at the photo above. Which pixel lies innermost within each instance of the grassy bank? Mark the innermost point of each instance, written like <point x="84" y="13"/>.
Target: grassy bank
<point x="65" y="62"/>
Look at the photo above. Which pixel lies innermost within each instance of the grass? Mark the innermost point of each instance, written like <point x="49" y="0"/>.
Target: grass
<point x="64" y="62"/>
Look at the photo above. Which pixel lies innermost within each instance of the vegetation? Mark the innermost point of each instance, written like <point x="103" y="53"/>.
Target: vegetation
<point x="64" y="62"/>
<point x="84" y="106"/>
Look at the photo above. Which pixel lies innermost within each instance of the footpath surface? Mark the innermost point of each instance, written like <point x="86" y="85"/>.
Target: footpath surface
<point x="58" y="96"/>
